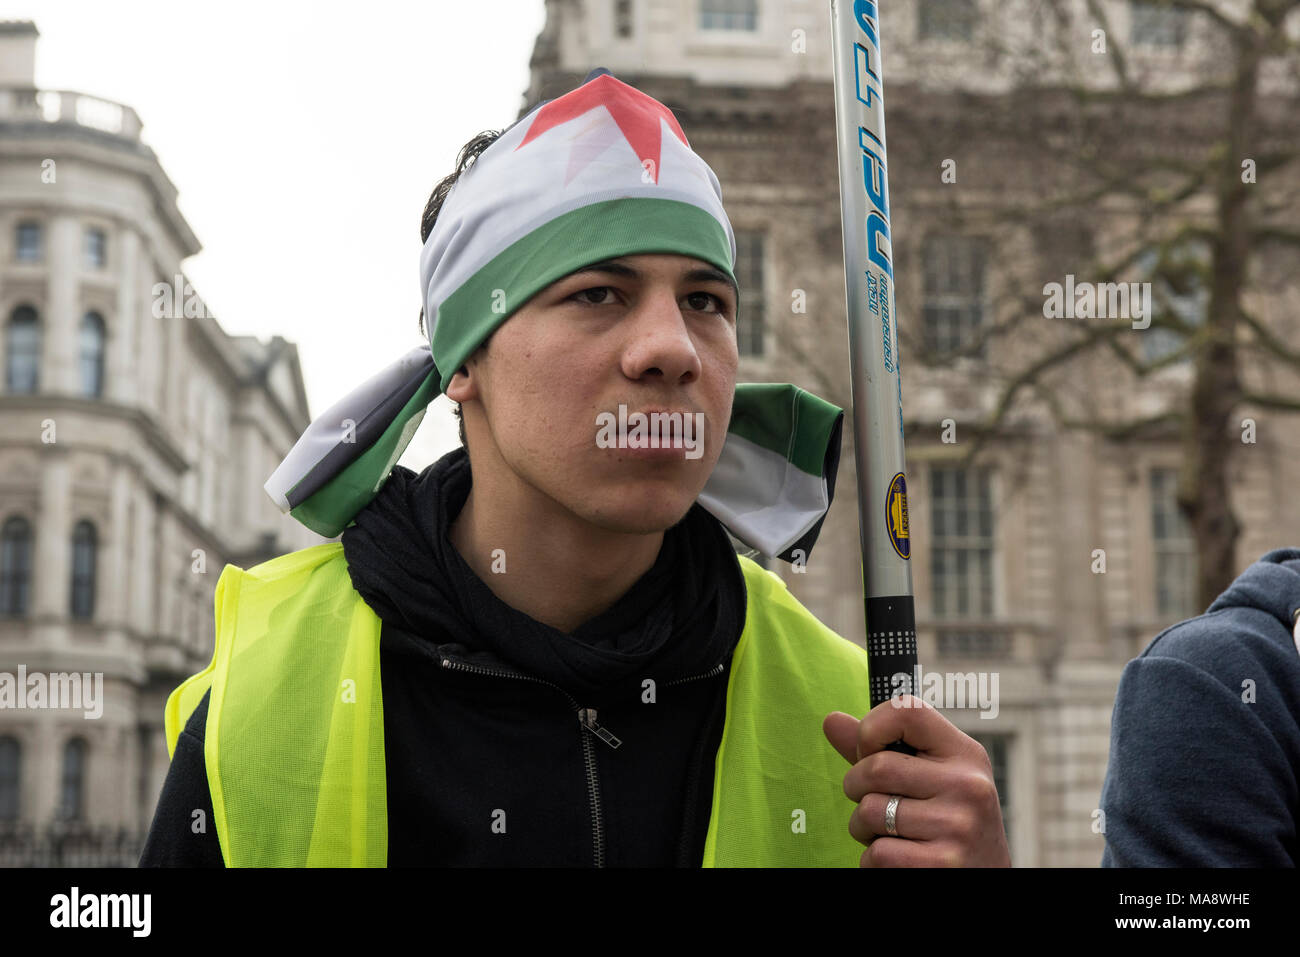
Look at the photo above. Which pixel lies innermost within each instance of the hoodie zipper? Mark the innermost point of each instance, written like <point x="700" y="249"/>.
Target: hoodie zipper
<point x="711" y="673"/>
<point x="692" y="781"/>
<point x="587" y="720"/>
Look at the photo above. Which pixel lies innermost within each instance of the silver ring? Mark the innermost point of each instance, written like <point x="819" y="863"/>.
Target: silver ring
<point x="891" y="814"/>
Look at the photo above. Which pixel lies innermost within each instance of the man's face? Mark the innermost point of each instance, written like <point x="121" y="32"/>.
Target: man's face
<point x="634" y="331"/>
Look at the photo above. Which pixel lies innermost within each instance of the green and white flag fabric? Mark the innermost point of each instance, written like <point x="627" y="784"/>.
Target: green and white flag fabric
<point x="776" y="475"/>
<point x="601" y="172"/>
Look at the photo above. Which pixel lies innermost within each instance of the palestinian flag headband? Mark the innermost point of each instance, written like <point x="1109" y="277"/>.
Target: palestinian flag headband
<point x="601" y="172"/>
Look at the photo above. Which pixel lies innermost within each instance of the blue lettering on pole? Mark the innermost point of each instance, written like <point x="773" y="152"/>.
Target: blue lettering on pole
<point x="874" y="173"/>
<point x="865" y="76"/>
<point x="878" y="226"/>
<point x="864" y="11"/>
<point x="876" y="183"/>
<point x="887" y="353"/>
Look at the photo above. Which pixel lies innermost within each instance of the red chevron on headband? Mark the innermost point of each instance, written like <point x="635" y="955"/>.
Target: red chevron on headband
<point x="636" y="114"/>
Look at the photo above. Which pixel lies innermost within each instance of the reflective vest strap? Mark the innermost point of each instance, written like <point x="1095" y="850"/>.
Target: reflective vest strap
<point x="294" y="742"/>
<point x="186" y="697"/>
<point x="778" y="795"/>
<point x="351" y="824"/>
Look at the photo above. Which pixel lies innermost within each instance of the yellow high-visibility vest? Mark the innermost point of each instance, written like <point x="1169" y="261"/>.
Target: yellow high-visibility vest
<point x="294" y="744"/>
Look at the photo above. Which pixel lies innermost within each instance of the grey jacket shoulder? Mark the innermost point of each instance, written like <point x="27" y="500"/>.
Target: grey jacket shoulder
<point x="1204" y="766"/>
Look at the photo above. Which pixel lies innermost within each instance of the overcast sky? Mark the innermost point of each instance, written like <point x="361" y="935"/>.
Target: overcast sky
<point x="305" y="139"/>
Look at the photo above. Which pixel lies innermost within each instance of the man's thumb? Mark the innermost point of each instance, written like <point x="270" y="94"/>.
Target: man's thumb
<point x="841" y="731"/>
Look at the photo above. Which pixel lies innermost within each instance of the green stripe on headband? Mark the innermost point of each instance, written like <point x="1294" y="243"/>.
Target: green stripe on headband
<point x="332" y="507"/>
<point x="616" y="227"/>
<point x="785" y="420"/>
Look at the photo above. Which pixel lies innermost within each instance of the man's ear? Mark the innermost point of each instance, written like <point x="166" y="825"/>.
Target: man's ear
<point x="462" y="387"/>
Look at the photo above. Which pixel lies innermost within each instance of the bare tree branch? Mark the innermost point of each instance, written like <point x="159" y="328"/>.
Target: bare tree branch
<point x="1125" y="431"/>
<point x="1034" y="371"/>
<point x="1276" y="234"/>
<point x="1269" y="342"/>
<point x="1278" y="403"/>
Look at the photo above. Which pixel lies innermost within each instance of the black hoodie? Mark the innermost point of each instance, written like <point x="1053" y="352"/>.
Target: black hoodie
<point x="506" y="741"/>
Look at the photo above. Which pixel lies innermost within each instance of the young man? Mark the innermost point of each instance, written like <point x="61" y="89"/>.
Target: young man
<point x="556" y="657"/>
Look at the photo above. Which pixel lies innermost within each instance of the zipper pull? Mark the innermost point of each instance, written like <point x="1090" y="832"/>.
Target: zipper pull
<point x="587" y="718"/>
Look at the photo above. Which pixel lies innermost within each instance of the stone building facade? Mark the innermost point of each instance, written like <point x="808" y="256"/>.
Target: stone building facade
<point x="1057" y="554"/>
<point x="135" y="436"/>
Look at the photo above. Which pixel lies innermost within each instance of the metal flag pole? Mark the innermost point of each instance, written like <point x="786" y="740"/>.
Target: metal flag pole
<point x="873" y="350"/>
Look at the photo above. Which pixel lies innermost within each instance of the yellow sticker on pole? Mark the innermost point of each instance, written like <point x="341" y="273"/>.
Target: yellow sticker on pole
<point x="896" y="516"/>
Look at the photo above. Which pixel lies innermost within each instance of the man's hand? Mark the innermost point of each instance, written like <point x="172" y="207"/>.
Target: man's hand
<point x="949" y="814"/>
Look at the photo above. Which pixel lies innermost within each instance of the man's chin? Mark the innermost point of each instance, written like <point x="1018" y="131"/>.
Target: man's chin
<point x="640" y="517"/>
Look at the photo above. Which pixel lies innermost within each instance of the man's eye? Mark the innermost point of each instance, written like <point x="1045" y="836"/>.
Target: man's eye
<point x="584" y="292"/>
<point x="722" y="306"/>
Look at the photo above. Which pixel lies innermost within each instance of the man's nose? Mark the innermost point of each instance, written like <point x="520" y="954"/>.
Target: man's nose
<point x="659" y="339"/>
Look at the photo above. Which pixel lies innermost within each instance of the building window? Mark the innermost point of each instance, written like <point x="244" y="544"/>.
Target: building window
<point x="1178" y="286"/>
<point x="729" y="14"/>
<point x="1156" y="25"/>
<point x="27" y="248"/>
<point x="946" y="19"/>
<point x="83" y="570"/>
<point x="751" y="311"/>
<point x="953" y="270"/>
<point x="23" y="350"/>
<point x="961" y="550"/>
<point x="15" y="566"/>
<point x="10" y="758"/>
<point x="72" y="794"/>
<point x="92" y="355"/>
<point x="998" y="747"/>
<point x="623" y="18"/>
<point x="96" y="248"/>
<point x="1175" y="549"/>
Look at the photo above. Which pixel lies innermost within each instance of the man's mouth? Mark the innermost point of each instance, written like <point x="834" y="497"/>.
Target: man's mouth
<point x="667" y="423"/>
<point x="653" y="428"/>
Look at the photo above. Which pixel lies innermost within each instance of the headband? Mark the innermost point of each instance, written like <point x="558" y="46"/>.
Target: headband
<point x="601" y="172"/>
